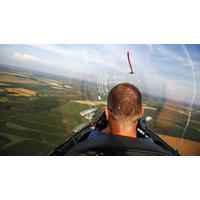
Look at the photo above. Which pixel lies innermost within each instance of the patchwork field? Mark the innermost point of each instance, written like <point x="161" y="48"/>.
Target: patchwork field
<point x="184" y="146"/>
<point x="35" y="115"/>
<point x="19" y="92"/>
<point x="38" y="113"/>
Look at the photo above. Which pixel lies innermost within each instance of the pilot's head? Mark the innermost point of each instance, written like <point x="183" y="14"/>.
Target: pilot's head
<point x="124" y="109"/>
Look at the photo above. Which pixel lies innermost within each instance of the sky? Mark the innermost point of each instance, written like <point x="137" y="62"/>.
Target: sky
<point x="170" y="71"/>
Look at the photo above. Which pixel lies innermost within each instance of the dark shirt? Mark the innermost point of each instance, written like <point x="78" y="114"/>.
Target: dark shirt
<point x="94" y="133"/>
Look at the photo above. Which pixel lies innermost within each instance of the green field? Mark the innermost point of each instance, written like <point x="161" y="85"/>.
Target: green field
<point x="35" y="125"/>
<point x="171" y="119"/>
<point x="38" y="113"/>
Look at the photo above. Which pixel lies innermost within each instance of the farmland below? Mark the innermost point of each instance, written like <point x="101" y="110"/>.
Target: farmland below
<point x="39" y="111"/>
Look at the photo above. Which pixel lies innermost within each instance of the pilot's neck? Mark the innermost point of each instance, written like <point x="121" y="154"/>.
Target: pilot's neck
<point x="123" y="131"/>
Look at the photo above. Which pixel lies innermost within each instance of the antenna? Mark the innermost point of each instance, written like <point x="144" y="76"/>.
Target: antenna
<point x="129" y="62"/>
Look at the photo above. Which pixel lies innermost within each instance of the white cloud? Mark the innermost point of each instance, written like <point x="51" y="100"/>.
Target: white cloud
<point x="151" y="78"/>
<point x="172" y="55"/>
<point x="111" y="60"/>
<point x="27" y="57"/>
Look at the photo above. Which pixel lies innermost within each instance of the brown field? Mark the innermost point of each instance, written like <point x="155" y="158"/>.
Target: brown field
<point x="4" y="84"/>
<point x="17" y="74"/>
<point x="90" y="102"/>
<point x="168" y="117"/>
<point x="57" y="88"/>
<point x="183" y="111"/>
<point x="95" y="103"/>
<point x="67" y="86"/>
<point x="7" y="78"/>
<point x="149" y="108"/>
<point x="53" y="83"/>
<point x="20" y="92"/>
<point x="184" y="146"/>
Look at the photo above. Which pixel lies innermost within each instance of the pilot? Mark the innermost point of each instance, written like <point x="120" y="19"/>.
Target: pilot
<point x="123" y="111"/>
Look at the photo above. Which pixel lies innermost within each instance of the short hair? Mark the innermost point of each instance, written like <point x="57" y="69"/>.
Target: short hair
<point x="124" y="100"/>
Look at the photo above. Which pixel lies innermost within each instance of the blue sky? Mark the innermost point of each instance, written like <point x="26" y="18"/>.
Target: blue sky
<point x="172" y="71"/>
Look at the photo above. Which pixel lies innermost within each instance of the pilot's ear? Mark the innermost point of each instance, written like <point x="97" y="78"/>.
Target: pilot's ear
<point x="141" y="113"/>
<point x="107" y="112"/>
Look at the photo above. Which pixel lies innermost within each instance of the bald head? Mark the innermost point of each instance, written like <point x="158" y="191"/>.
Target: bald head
<point x="124" y="102"/>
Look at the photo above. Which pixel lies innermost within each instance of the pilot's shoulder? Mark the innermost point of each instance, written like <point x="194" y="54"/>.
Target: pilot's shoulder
<point x="94" y="133"/>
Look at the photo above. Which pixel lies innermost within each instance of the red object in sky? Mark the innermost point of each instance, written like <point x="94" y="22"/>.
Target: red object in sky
<point x="129" y="62"/>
